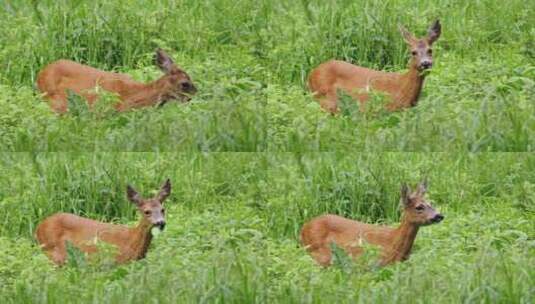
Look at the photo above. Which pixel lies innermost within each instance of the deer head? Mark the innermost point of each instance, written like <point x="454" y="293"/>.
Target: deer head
<point x="176" y="83"/>
<point x="417" y="210"/>
<point x="422" y="54"/>
<point x="151" y="209"/>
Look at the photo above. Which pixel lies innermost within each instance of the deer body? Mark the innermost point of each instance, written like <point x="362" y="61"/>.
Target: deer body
<point x="403" y="90"/>
<point x="83" y="233"/>
<point x="54" y="232"/>
<point x="395" y="243"/>
<point x="57" y="78"/>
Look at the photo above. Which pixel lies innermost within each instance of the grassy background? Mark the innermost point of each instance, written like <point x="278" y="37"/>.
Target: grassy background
<point x="226" y="115"/>
<point x="250" y="60"/>
<point x="478" y="96"/>
<point x="233" y="222"/>
<point x="234" y="218"/>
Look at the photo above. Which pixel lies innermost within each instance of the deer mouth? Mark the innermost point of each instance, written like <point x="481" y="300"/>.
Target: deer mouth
<point x="425" y="66"/>
<point x="183" y="97"/>
<point x="179" y="96"/>
<point x="160" y="225"/>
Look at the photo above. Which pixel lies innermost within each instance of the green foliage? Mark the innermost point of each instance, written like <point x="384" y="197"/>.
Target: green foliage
<point x="233" y="221"/>
<point x="250" y="61"/>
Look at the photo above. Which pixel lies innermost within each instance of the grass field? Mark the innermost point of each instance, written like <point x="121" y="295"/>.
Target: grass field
<point x="233" y="222"/>
<point x="234" y="217"/>
<point x="250" y="60"/>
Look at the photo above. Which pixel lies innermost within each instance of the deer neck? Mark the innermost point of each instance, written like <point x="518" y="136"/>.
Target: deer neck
<point x="401" y="243"/>
<point x="147" y="94"/>
<point x="411" y="85"/>
<point x="140" y="237"/>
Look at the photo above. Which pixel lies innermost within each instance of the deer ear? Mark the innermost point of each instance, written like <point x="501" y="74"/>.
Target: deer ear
<point x="405" y="194"/>
<point x="132" y="195"/>
<point x="163" y="61"/>
<point x="409" y="38"/>
<point x="422" y="187"/>
<point x="164" y="191"/>
<point x="434" y="32"/>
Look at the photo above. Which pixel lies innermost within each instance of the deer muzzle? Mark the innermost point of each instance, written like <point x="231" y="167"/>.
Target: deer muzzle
<point x="160" y="224"/>
<point x="437" y="218"/>
<point x="426" y="64"/>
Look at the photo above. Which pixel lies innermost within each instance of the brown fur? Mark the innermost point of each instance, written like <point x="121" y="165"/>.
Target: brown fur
<point x="131" y="243"/>
<point x="395" y="243"/>
<point x="403" y="90"/>
<point x="60" y="76"/>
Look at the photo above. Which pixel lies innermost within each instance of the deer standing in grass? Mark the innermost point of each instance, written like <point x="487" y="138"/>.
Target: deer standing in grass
<point x="132" y="243"/>
<point x="395" y="243"/>
<point x="57" y="78"/>
<point x="403" y="90"/>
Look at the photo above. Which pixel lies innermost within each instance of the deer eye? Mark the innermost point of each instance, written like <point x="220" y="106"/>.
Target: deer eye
<point x="430" y="51"/>
<point x="420" y="208"/>
<point x="163" y="210"/>
<point x="414" y="53"/>
<point x="147" y="212"/>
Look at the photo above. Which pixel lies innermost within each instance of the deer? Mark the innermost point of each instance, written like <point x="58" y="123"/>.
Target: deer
<point x="395" y="244"/>
<point x="401" y="90"/>
<point x="59" y="77"/>
<point x="55" y="231"/>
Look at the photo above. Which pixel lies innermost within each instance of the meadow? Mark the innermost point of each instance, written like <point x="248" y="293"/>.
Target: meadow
<point x="233" y="221"/>
<point x="250" y="60"/>
<point x="233" y="218"/>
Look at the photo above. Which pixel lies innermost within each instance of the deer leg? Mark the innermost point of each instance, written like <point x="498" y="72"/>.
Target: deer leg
<point x="91" y="98"/>
<point x="58" y="103"/>
<point x="329" y="102"/>
<point x="121" y="106"/>
<point x="363" y="98"/>
<point x="322" y="255"/>
<point x="58" y="253"/>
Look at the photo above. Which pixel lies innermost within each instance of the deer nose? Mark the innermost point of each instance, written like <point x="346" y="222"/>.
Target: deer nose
<point x="438" y="218"/>
<point x="160" y="224"/>
<point x="426" y="64"/>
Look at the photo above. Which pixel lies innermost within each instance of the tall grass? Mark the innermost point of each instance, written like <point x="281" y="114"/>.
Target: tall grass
<point x="233" y="222"/>
<point x="477" y="98"/>
<point x="234" y="218"/>
<point x="250" y="60"/>
<point x="227" y="114"/>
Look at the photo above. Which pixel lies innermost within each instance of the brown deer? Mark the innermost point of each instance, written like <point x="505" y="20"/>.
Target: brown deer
<point x="395" y="243"/>
<point x="84" y="234"/>
<point x="403" y="90"/>
<point x="57" y="78"/>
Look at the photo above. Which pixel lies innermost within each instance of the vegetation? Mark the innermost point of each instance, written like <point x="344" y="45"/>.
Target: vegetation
<point x="233" y="218"/>
<point x="250" y="61"/>
<point x="233" y="221"/>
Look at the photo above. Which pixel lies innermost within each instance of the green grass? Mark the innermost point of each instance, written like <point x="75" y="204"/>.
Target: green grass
<point x="478" y="96"/>
<point x="250" y="61"/>
<point x="227" y="114"/>
<point x="233" y="222"/>
<point x="234" y="217"/>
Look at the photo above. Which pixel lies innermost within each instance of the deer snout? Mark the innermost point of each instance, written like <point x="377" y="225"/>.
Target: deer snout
<point x="160" y="224"/>
<point x="438" y="218"/>
<point x="426" y="64"/>
<point x="188" y="87"/>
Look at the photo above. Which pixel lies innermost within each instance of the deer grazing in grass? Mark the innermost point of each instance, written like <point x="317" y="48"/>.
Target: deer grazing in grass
<point x="61" y="76"/>
<point x="132" y="243"/>
<point x="395" y="243"/>
<point x="402" y="90"/>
